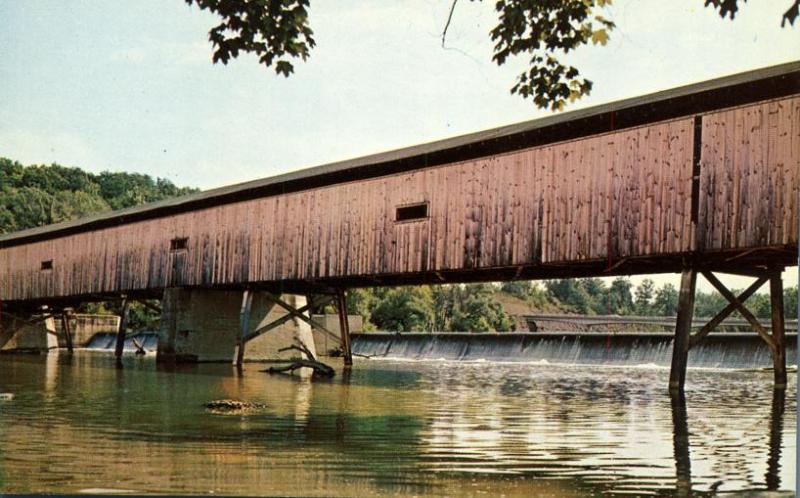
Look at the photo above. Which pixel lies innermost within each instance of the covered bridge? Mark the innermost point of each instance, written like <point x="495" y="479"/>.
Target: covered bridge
<point x="698" y="178"/>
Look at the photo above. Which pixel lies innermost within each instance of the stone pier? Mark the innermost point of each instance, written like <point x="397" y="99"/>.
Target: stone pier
<point x="200" y="325"/>
<point x="27" y="334"/>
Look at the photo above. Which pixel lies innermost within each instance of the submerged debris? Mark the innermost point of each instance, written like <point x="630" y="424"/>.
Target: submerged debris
<point x="233" y="406"/>
<point x="6" y="396"/>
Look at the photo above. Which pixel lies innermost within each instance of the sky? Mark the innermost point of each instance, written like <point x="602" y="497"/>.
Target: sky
<point x="130" y="86"/>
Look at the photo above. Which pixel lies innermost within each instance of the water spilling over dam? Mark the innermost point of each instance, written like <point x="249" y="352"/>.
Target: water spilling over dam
<point x="105" y="341"/>
<point x="730" y="350"/>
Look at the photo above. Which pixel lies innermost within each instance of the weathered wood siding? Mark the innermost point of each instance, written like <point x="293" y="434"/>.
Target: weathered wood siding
<point x="750" y="175"/>
<point x="605" y="197"/>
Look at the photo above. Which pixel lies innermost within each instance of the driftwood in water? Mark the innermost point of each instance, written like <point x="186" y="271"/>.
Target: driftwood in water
<point x="139" y="347"/>
<point x="320" y="369"/>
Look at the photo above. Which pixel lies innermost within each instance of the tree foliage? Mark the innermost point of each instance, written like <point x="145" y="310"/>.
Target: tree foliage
<point x="32" y="196"/>
<point x="274" y="30"/>
<point x="543" y="31"/>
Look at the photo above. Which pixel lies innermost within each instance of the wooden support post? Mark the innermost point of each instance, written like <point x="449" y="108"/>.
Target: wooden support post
<point x="722" y="315"/>
<point x="244" y="324"/>
<point x="778" y="330"/>
<point x="295" y="313"/>
<point x="683" y="330"/>
<point x="65" y="326"/>
<point x="344" y="327"/>
<point x="123" y="323"/>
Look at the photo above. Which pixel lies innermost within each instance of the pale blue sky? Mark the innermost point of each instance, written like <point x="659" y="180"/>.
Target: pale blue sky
<point x="130" y="86"/>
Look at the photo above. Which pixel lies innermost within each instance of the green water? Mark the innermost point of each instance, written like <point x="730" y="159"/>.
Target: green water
<point x="79" y="424"/>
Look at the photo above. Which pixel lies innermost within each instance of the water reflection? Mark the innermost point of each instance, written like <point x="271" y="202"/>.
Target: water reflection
<point x="682" y="445"/>
<point x="680" y="438"/>
<point x="390" y="428"/>
<point x="773" y="478"/>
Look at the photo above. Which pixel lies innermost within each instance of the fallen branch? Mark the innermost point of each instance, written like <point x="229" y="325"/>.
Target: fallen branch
<point x="320" y="369"/>
<point x="139" y="348"/>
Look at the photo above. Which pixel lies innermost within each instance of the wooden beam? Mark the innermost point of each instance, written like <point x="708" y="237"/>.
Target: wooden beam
<point x="244" y="323"/>
<point x="344" y="327"/>
<point x="722" y="315"/>
<point x="149" y="306"/>
<point x="65" y="325"/>
<point x="293" y="313"/>
<point x="740" y="308"/>
<point x="683" y="330"/>
<point x="123" y="323"/>
<point x="778" y="331"/>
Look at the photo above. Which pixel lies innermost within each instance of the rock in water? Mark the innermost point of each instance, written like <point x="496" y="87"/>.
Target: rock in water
<point x="233" y="406"/>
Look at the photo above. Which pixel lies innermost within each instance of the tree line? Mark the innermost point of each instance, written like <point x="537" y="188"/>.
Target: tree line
<point x="475" y="307"/>
<point x="37" y="195"/>
<point x="32" y="196"/>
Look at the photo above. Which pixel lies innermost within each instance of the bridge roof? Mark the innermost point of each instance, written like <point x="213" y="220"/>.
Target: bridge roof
<point x="727" y="91"/>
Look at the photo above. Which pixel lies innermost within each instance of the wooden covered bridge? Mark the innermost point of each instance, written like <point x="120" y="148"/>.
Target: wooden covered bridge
<point x="698" y="179"/>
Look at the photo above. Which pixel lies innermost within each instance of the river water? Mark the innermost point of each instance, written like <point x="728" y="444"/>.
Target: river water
<point x="80" y="424"/>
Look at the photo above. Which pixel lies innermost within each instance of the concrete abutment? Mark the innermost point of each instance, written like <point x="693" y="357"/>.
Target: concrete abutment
<point x="29" y="333"/>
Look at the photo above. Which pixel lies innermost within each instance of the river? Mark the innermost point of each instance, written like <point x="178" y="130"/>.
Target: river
<point x="80" y="424"/>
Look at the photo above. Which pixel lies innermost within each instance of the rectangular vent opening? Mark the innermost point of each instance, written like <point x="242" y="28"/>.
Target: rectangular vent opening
<point x="47" y="265"/>
<point x="412" y="212"/>
<point x="179" y="244"/>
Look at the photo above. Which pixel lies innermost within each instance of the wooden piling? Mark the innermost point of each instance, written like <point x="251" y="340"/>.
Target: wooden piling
<point x="123" y="323"/>
<point x="244" y="324"/>
<point x="683" y="330"/>
<point x="778" y="330"/>
<point x="344" y="327"/>
<point x="65" y="325"/>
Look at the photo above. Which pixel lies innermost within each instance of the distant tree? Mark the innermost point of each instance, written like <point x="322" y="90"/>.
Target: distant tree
<point x="278" y="32"/>
<point x="707" y="304"/>
<point x="475" y="310"/>
<point x="444" y="297"/>
<point x="361" y="302"/>
<point x="571" y="294"/>
<point x="620" y="300"/>
<point x="645" y="292"/>
<point x="530" y="292"/>
<point x="404" y="309"/>
<point x="32" y="196"/>
<point x="68" y="205"/>
<point x="790" y="302"/>
<point x="666" y="301"/>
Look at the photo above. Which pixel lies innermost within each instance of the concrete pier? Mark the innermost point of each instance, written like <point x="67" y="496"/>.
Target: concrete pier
<point x="28" y="334"/>
<point x="204" y="326"/>
<point x="324" y="342"/>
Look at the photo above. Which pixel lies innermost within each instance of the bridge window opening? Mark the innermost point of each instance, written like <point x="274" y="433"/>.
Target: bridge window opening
<point x="47" y="265"/>
<point x="412" y="212"/>
<point x="180" y="244"/>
